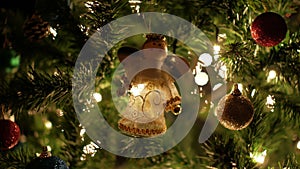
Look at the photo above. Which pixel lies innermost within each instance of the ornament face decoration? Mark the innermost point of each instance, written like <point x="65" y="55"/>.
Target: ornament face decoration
<point x="151" y="92"/>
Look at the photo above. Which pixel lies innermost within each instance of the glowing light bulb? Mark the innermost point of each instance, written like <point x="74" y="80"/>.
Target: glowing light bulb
<point x="55" y="73"/>
<point x="272" y="75"/>
<point x="259" y="157"/>
<point x="98" y="97"/>
<point x="222" y="37"/>
<point x="206" y="58"/>
<point x="48" y="124"/>
<point x="83" y="157"/>
<point x="270" y="101"/>
<point x="298" y="145"/>
<point x="53" y="32"/>
<point x="82" y="132"/>
<point x="201" y="78"/>
<point x="253" y="92"/>
<point x="134" y="4"/>
<point x="90" y="149"/>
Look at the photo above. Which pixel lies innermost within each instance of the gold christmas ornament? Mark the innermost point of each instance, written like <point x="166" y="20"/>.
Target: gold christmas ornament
<point x="149" y="129"/>
<point x="152" y="91"/>
<point x="235" y="111"/>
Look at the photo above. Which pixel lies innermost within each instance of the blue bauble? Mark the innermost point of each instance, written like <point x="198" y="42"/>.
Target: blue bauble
<point x="52" y="162"/>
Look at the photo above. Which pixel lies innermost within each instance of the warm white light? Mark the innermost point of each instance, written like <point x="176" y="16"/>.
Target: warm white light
<point x="272" y="75"/>
<point x="270" y="101"/>
<point x="98" y="97"/>
<point x="48" y="124"/>
<point x="49" y="148"/>
<point x="83" y="157"/>
<point x="298" y="145"/>
<point x="136" y="90"/>
<point x="88" y="4"/>
<point x="217" y="49"/>
<point x="201" y="78"/>
<point x="134" y="1"/>
<point x="56" y="73"/>
<point x="53" y="31"/>
<point x="259" y="157"/>
<point x="240" y="86"/>
<point x="222" y="36"/>
<point x="206" y="58"/>
<point x="134" y="4"/>
<point x="82" y="132"/>
<point x="253" y="92"/>
<point x="90" y="149"/>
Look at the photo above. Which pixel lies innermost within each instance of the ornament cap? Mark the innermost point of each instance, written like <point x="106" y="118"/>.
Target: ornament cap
<point x="236" y="91"/>
<point x="155" y="41"/>
<point x="155" y="37"/>
<point x="45" y="153"/>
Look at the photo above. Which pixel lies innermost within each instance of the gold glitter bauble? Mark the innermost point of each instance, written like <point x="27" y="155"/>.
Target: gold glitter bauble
<point x="235" y="111"/>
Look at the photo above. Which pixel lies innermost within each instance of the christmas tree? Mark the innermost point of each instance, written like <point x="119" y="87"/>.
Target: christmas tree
<point x="61" y="59"/>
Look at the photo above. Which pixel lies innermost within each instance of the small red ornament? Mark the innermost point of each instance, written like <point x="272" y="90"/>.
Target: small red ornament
<point x="9" y="134"/>
<point x="268" y="29"/>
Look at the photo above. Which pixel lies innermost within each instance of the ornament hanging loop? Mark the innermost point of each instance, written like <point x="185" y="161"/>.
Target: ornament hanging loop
<point x="236" y="91"/>
<point x="45" y="153"/>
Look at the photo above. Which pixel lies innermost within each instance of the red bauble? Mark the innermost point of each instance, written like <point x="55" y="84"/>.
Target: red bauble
<point x="9" y="134"/>
<point x="268" y="29"/>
